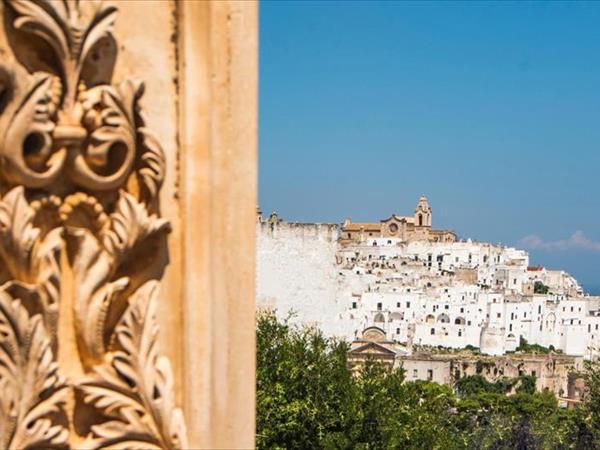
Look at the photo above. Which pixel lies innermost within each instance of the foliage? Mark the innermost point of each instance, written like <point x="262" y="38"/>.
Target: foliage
<point x="476" y="384"/>
<point x="305" y="394"/>
<point x="307" y="398"/>
<point x="540" y="288"/>
<point x="526" y="347"/>
<point x="440" y="349"/>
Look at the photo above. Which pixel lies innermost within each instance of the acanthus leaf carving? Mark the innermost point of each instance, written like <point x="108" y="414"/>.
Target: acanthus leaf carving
<point x="33" y="393"/>
<point x="152" y="166"/>
<point x="82" y="173"/>
<point x="30" y="257"/>
<point x="97" y="262"/>
<point x="130" y="225"/>
<point x="134" y="388"/>
<point x="69" y="33"/>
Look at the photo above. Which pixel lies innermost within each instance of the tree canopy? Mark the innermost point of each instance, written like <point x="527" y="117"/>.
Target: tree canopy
<point x="308" y="399"/>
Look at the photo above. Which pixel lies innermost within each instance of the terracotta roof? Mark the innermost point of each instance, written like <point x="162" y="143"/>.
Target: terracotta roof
<point x="358" y="226"/>
<point x="535" y="268"/>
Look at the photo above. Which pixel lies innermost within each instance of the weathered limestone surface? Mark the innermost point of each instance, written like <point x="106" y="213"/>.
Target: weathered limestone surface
<point x="297" y="272"/>
<point x="127" y="184"/>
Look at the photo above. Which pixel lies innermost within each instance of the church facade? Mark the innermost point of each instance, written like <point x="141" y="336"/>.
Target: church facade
<point x="403" y="228"/>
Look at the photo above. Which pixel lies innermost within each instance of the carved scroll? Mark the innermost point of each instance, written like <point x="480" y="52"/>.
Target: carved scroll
<point x="80" y="176"/>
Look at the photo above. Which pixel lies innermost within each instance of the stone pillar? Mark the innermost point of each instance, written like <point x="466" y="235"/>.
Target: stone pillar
<point x="218" y="61"/>
<point x="127" y="224"/>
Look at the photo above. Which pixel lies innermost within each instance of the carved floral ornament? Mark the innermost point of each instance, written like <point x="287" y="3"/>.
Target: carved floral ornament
<point x="79" y="178"/>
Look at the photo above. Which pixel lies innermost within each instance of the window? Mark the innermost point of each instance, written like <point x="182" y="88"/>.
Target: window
<point x="498" y="315"/>
<point x="349" y="235"/>
<point x="539" y="309"/>
<point x="571" y="309"/>
<point x="397" y="330"/>
<point x="432" y="331"/>
<point x="510" y="327"/>
<point x="353" y="305"/>
<point x="514" y="281"/>
<point x="408" y="304"/>
<point x="533" y="373"/>
<point x="398" y="305"/>
<point x="462" y="310"/>
<point x="420" y="220"/>
<point x="459" y="333"/>
<point x="430" y="374"/>
<point x="415" y="373"/>
<point x="446" y="306"/>
<point x="469" y="322"/>
<point x="379" y="306"/>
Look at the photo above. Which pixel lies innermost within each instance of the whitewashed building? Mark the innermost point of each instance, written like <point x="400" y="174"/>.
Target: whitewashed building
<point x="422" y="292"/>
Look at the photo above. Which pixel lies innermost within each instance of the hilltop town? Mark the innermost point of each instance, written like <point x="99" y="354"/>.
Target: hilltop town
<point x="400" y="286"/>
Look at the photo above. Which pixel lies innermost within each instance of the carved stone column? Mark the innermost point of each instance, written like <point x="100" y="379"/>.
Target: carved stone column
<point x="127" y="162"/>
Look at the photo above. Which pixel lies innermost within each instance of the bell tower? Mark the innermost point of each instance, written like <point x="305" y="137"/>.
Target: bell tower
<point x="423" y="213"/>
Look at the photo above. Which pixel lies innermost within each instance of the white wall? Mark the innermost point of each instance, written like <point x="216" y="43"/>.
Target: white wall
<point x="296" y="270"/>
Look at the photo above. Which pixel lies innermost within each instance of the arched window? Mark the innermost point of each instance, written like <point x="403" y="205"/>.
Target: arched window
<point x="443" y="318"/>
<point x="432" y="331"/>
<point x="420" y="220"/>
<point x="459" y="321"/>
<point x="430" y="318"/>
<point x="379" y="318"/>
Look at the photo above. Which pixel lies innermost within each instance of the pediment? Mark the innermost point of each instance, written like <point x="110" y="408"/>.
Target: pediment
<point x="372" y="348"/>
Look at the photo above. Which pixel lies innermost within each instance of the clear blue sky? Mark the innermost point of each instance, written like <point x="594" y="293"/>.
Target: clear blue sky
<point x="492" y="110"/>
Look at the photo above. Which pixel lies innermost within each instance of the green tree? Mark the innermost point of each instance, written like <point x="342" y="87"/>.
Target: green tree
<point x="308" y="399"/>
<point x="540" y="288"/>
<point x="305" y="393"/>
